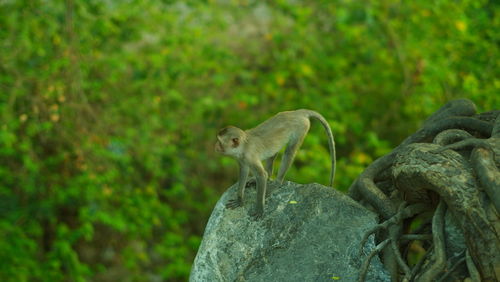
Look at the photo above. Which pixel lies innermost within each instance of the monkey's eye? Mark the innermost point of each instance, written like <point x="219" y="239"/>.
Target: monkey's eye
<point x="236" y="142"/>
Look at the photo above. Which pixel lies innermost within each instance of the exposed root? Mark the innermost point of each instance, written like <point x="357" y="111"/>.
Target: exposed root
<point x="451" y="136"/>
<point x="471" y="142"/>
<point x="420" y="173"/>
<point x="416" y="269"/>
<point x="473" y="272"/>
<point x="366" y="263"/>
<point x="439" y="257"/>
<point x="455" y="266"/>
<point x="487" y="172"/>
<point x="483" y="161"/>
<point x="403" y="213"/>
<point x="399" y="259"/>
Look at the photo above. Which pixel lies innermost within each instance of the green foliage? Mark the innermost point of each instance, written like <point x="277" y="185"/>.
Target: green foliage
<point x="109" y="108"/>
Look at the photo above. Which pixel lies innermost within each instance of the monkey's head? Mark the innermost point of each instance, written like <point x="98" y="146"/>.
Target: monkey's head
<point x="229" y="140"/>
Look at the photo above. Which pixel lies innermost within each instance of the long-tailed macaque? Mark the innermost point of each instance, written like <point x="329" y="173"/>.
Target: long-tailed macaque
<point x="251" y="147"/>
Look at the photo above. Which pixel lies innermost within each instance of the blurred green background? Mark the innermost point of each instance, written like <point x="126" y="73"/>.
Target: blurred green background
<point x="109" y="111"/>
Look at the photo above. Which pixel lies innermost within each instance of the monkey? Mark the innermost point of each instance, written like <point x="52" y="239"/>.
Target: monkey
<point x="262" y="143"/>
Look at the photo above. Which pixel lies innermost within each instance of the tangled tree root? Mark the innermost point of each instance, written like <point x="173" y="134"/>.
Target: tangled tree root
<point x="450" y="166"/>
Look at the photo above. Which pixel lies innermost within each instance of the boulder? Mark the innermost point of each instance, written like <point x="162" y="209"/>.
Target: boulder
<point x="308" y="233"/>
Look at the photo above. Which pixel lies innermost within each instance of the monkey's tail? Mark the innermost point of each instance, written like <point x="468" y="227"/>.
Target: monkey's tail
<point x="331" y="141"/>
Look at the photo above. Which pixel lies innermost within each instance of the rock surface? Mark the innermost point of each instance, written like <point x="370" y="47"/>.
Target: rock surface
<point x="308" y="233"/>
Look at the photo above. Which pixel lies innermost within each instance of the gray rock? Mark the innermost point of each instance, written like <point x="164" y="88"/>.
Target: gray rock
<point x="315" y="239"/>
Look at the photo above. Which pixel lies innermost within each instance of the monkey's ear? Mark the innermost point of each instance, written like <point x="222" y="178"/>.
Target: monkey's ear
<point x="236" y="142"/>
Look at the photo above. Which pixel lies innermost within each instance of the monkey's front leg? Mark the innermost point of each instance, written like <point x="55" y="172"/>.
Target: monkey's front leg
<point x="238" y="202"/>
<point x="269" y="170"/>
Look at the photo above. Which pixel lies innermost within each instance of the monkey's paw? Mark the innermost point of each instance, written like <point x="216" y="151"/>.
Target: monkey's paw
<point x="231" y="204"/>
<point x="251" y="183"/>
<point x="258" y="215"/>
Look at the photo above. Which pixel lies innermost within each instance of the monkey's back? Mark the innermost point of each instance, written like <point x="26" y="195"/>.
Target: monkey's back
<point x="279" y="130"/>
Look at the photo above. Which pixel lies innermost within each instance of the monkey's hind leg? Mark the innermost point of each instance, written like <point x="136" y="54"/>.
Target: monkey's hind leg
<point x="289" y="155"/>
